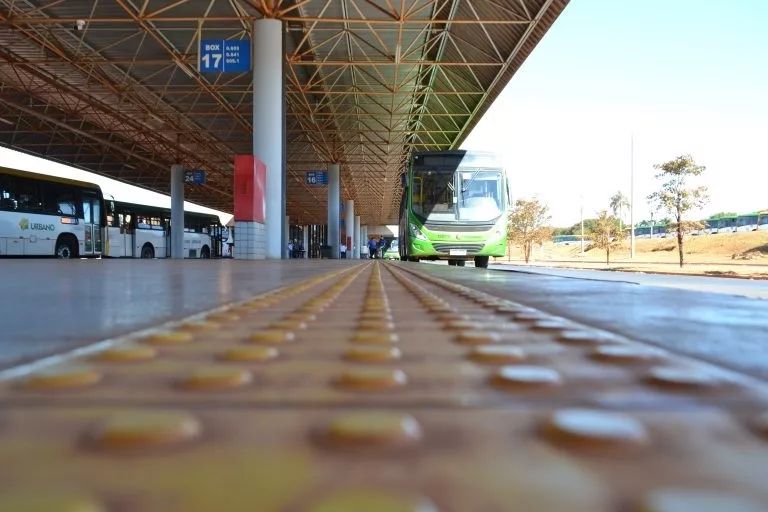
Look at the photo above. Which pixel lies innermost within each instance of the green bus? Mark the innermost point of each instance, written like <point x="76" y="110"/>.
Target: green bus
<point x="454" y="207"/>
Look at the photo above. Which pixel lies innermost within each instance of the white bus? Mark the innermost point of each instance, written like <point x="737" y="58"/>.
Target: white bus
<point x="48" y="216"/>
<point x="141" y="231"/>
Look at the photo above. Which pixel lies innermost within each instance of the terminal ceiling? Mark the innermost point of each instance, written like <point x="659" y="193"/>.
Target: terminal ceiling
<point x="367" y="82"/>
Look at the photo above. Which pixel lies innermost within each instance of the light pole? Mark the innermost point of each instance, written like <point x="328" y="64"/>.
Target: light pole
<point x="632" y="197"/>
<point x="651" y="224"/>
<point x="582" y="225"/>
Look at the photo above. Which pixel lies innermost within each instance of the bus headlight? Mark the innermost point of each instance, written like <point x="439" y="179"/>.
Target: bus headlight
<point x="415" y="231"/>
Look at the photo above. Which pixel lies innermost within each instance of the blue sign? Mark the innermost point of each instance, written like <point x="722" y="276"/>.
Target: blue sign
<point x="194" y="177"/>
<point x="317" y="178"/>
<point x="222" y="56"/>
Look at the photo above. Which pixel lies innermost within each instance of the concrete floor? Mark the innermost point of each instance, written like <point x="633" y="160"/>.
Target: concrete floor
<point x="49" y="306"/>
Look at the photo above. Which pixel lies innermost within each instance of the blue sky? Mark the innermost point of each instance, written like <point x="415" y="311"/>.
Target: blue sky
<point x="683" y="76"/>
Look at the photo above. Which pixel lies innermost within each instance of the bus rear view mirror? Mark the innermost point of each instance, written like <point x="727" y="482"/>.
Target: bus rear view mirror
<point x="404" y="179"/>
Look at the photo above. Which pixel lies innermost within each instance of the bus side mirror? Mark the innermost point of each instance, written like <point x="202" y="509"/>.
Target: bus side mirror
<point x="404" y="180"/>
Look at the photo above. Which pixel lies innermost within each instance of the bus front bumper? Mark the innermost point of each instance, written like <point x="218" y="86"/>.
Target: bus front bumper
<point x="453" y="249"/>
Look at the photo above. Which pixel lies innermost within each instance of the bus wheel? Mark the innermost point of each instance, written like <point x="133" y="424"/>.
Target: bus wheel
<point x="147" y="252"/>
<point x="205" y="253"/>
<point x="481" y="261"/>
<point x="451" y="263"/>
<point x="65" y="248"/>
<point x="460" y="263"/>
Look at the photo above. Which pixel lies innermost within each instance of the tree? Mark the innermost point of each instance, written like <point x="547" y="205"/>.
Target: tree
<point x="529" y="225"/>
<point x="618" y="202"/>
<point x="677" y="196"/>
<point x="605" y="235"/>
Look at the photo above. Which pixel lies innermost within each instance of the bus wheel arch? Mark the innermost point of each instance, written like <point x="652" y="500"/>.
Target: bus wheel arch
<point x="66" y="246"/>
<point x="205" y="252"/>
<point x="148" y="251"/>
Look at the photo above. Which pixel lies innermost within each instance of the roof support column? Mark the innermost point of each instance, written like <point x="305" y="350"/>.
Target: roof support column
<point x="334" y="198"/>
<point x="349" y="227"/>
<point x="177" y="212"/>
<point x="363" y="240"/>
<point x="269" y="125"/>
<point x="358" y="238"/>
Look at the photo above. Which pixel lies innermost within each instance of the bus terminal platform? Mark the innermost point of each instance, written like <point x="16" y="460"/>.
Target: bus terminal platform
<point x="367" y="385"/>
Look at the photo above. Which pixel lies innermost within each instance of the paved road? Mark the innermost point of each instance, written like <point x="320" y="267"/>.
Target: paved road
<point x="718" y="327"/>
<point x="753" y="289"/>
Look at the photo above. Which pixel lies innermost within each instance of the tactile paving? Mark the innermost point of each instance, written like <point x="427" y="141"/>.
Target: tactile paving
<point x="381" y="388"/>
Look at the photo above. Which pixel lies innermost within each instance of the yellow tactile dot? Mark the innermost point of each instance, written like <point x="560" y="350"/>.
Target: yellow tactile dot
<point x="62" y="377"/>
<point x="584" y="337"/>
<point x="699" y="500"/>
<point x="126" y="353"/>
<point x="300" y="316"/>
<point x="681" y="378"/>
<point x="372" y="378"/>
<point x="375" y="325"/>
<point x="478" y="337"/>
<point x="505" y="309"/>
<point x="373" y="354"/>
<point x="438" y="308"/>
<point x="624" y="354"/>
<point x="48" y="500"/>
<point x="170" y="338"/>
<point x="529" y="316"/>
<point x="200" y="326"/>
<point x="383" y="316"/>
<point x="375" y="428"/>
<point x="145" y="429"/>
<point x="311" y="309"/>
<point x="497" y="354"/>
<point x="271" y="336"/>
<point x="551" y="325"/>
<point x="451" y="316"/>
<point x="224" y="316"/>
<point x="317" y="302"/>
<point x="370" y="500"/>
<point x="525" y="377"/>
<point x="375" y="337"/>
<point x="288" y="324"/>
<point x="376" y="309"/>
<point x="216" y="377"/>
<point x="249" y="354"/>
<point x="594" y="428"/>
<point x="463" y="325"/>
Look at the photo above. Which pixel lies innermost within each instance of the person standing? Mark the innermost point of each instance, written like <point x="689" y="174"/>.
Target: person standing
<point x="343" y="250"/>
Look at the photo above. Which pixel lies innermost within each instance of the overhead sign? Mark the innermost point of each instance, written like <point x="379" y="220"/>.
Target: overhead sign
<point x="317" y="178"/>
<point x="222" y="56"/>
<point x="194" y="177"/>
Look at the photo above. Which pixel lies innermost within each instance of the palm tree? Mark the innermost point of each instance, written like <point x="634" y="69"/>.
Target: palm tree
<point x="618" y="202"/>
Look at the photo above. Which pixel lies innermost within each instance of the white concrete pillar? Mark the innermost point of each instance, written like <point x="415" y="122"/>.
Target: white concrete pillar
<point x="334" y="198"/>
<point x="358" y="239"/>
<point x="305" y="241"/>
<point x="363" y="238"/>
<point x="349" y="226"/>
<point x="177" y="211"/>
<point x="269" y="124"/>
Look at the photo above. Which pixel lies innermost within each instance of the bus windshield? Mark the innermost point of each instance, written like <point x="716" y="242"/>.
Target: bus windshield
<point x="480" y="196"/>
<point x="473" y="195"/>
<point x="434" y="194"/>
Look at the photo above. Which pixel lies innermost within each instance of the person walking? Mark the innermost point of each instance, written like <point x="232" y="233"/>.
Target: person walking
<point x="343" y="250"/>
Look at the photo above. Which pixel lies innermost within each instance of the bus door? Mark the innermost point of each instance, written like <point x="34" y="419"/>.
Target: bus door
<point x="93" y="235"/>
